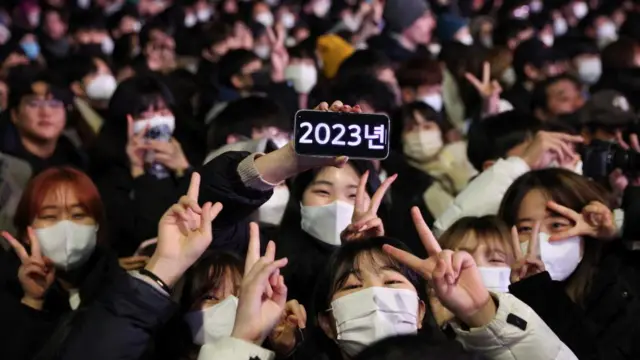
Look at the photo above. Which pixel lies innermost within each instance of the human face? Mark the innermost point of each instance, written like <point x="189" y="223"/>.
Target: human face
<point x="40" y="115"/>
<point x="61" y="203"/>
<point x="54" y="27"/>
<point x="487" y="252"/>
<point x="564" y="97"/>
<point x="533" y="208"/>
<point x="332" y="184"/>
<point x="228" y="286"/>
<point x="420" y="31"/>
<point x="102" y="69"/>
<point x="158" y="109"/>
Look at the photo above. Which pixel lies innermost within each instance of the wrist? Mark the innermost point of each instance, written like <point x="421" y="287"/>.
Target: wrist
<point x="168" y="271"/>
<point x="36" y="304"/>
<point x="277" y="166"/>
<point x="137" y="171"/>
<point x="483" y="316"/>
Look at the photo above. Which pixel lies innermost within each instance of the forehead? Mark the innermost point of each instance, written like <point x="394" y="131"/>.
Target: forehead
<point x="533" y="205"/>
<point x="562" y="87"/>
<point x="472" y="242"/>
<point x="344" y="175"/>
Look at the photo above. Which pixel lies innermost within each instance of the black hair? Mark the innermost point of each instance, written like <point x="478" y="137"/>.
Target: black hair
<point x="232" y="63"/>
<point x="78" y="66"/>
<point x="87" y="20"/>
<point x="364" y="88"/>
<point x="406" y="115"/>
<point x="135" y="95"/>
<point x="154" y="25"/>
<point x="242" y="116"/>
<point x="368" y="62"/>
<point x="414" y="347"/>
<point x="19" y="81"/>
<point x="215" y="33"/>
<point x="508" y="30"/>
<point x="493" y="137"/>
<point x="540" y="98"/>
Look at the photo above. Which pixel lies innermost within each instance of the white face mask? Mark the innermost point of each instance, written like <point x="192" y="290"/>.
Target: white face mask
<point x="434" y="48"/>
<point x="67" y="244"/>
<point x="262" y="51"/>
<point x="321" y="8"/>
<point x="580" y="9"/>
<point x="265" y="18"/>
<point x="190" y="20"/>
<point x="590" y="70"/>
<point x="560" y="258"/>
<point x="547" y="39"/>
<point x="422" y="145"/>
<point x="162" y="123"/>
<point x="560" y="26"/>
<point x="101" y="87"/>
<point x="213" y="323"/>
<point x="373" y="314"/>
<point x="509" y="77"/>
<point x="303" y="76"/>
<point x="272" y="211"/>
<point x="495" y="279"/>
<point x="606" y="34"/>
<point x="465" y="39"/>
<point x="326" y="222"/>
<point x="107" y="45"/>
<point x="204" y="14"/>
<point x="433" y="100"/>
<point x="352" y="23"/>
<point x="288" y="20"/>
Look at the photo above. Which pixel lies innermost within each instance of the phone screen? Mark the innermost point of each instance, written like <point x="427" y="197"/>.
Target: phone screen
<point x="328" y="134"/>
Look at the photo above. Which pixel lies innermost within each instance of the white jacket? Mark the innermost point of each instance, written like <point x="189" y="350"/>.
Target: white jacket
<point x="516" y="333"/>
<point x="484" y="193"/>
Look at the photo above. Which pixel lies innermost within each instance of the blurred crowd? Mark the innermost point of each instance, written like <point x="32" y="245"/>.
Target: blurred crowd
<point x="152" y="205"/>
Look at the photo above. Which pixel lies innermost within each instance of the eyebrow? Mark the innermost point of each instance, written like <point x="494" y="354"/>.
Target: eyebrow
<point x="55" y="207"/>
<point x="322" y="182"/>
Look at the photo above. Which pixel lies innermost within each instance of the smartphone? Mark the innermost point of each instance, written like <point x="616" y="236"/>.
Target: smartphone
<point x="329" y="134"/>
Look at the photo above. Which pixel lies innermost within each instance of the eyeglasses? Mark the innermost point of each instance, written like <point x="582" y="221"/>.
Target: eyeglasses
<point x="40" y="103"/>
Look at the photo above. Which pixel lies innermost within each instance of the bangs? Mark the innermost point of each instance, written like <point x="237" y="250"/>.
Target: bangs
<point x="374" y="258"/>
<point x="151" y="100"/>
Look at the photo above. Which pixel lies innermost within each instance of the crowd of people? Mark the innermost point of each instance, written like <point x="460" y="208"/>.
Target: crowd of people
<point x="152" y="205"/>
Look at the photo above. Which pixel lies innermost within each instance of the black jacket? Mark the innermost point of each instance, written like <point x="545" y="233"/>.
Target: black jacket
<point x="27" y="332"/>
<point x="607" y="326"/>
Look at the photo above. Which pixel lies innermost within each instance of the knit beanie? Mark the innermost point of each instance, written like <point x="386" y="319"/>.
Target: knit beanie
<point x="448" y="26"/>
<point x="399" y="15"/>
<point x="333" y="50"/>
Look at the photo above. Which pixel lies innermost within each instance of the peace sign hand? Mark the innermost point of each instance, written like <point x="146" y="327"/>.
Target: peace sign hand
<point x="487" y="88"/>
<point x="279" y="54"/>
<point x="595" y="220"/>
<point x="283" y="337"/>
<point x="453" y="275"/>
<point x="263" y="292"/>
<point x="36" y="273"/>
<point x="184" y="233"/>
<point x="365" y="222"/>
<point x="529" y="264"/>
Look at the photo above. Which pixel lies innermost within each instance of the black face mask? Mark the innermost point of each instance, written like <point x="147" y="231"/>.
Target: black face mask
<point x="260" y="80"/>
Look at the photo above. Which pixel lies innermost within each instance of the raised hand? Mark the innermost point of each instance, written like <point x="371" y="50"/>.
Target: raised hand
<point x="595" y="220"/>
<point x="283" y="337"/>
<point x="530" y="263"/>
<point x="263" y="292"/>
<point x="36" y="273"/>
<point x="184" y="233"/>
<point x="279" y="53"/>
<point x="169" y="154"/>
<point x="453" y="276"/>
<point x="365" y="222"/>
<point x="547" y="147"/>
<point x="487" y="88"/>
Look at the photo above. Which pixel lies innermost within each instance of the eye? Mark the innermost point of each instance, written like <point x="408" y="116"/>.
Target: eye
<point x="321" y="192"/>
<point x="79" y="216"/>
<point x="393" y="282"/>
<point x="210" y="297"/>
<point x="559" y="226"/>
<point x="47" y="217"/>
<point x="524" y="229"/>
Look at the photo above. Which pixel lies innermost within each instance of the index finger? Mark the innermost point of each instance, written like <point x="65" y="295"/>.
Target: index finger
<point x="534" y="241"/>
<point x="515" y="241"/>
<point x="361" y="193"/>
<point x="473" y="80"/>
<point x="382" y="190"/>
<point x="486" y="73"/>
<point x="35" y="244"/>
<point x="253" y="252"/>
<point x="564" y="211"/>
<point x="408" y="259"/>
<point x="569" y="138"/>
<point x="17" y="247"/>
<point x="130" y="132"/>
<point x="194" y="187"/>
<point x="426" y="236"/>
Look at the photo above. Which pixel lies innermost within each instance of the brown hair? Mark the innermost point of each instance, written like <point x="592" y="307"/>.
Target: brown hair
<point x="489" y="228"/>
<point x="567" y="189"/>
<point x="419" y="71"/>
